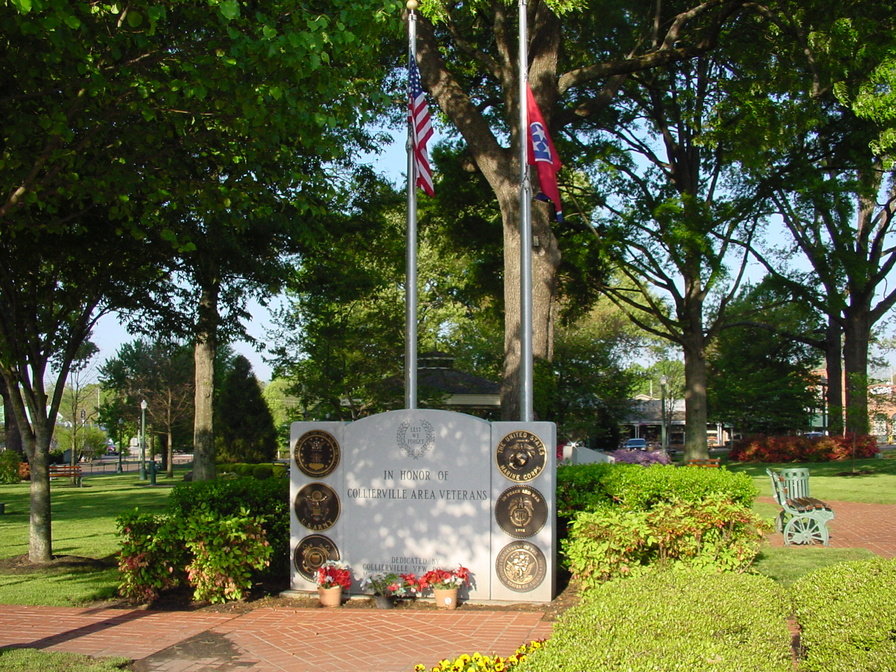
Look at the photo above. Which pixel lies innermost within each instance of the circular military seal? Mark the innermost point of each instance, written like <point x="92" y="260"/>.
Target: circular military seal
<point x="316" y="453"/>
<point x="521" y="511"/>
<point x="317" y="506"/>
<point x="313" y="551"/>
<point x="521" y="456"/>
<point x="521" y="566"/>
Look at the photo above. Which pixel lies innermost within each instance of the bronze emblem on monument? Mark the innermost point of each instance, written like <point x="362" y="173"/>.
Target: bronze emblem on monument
<point x="313" y="551"/>
<point x="317" y="506"/>
<point x="316" y="453"/>
<point x="521" y="511"/>
<point x="521" y="566"/>
<point x="521" y="456"/>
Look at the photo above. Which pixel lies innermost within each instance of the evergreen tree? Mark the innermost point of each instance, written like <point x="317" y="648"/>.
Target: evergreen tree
<point x="245" y="426"/>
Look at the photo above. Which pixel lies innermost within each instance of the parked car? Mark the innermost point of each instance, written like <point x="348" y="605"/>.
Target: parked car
<point x="635" y="444"/>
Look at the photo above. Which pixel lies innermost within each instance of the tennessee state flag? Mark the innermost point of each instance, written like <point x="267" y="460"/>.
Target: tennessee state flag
<point x="543" y="156"/>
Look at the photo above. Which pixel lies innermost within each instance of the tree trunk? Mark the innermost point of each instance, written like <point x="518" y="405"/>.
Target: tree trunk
<point x="545" y="261"/>
<point x="856" y="335"/>
<point x="695" y="410"/>
<point x="204" y="358"/>
<point x="834" y="365"/>
<point x="13" y="437"/>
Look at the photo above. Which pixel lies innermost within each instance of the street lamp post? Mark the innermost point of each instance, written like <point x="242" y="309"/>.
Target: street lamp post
<point x="120" y="447"/>
<point x="663" y="436"/>
<point x="143" y="440"/>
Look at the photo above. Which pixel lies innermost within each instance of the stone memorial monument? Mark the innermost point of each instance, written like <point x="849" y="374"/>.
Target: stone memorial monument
<point x="412" y="490"/>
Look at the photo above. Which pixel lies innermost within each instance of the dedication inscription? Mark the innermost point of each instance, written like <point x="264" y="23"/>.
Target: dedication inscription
<point x="313" y="551"/>
<point x="317" y="506"/>
<point x="521" y="566"/>
<point x="521" y="511"/>
<point x="521" y="456"/>
<point x="316" y="453"/>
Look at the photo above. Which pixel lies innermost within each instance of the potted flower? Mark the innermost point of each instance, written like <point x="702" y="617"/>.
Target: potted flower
<point x="332" y="578"/>
<point x="386" y="586"/>
<point x="445" y="583"/>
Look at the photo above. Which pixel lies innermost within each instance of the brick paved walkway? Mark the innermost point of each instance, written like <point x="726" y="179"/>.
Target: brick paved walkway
<point x="271" y="639"/>
<point x="330" y="640"/>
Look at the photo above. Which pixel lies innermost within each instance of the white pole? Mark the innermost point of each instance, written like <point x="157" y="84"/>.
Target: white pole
<point x="410" y="356"/>
<point x="526" y="384"/>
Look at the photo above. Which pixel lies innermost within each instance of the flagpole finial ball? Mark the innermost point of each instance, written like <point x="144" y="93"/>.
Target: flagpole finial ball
<point x="412" y="5"/>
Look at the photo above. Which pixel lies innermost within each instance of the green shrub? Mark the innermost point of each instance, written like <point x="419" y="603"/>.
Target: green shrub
<point x="216" y="535"/>
<point x="224" y="551"/>
<point x="671" y="621"/>
<point x="259" y="471"/>
<point x="616" y="541"/>
<point x="847" y="613"/>
<point x="9" y="466"/>
<point x="587" y="486"/>
<point x="152" y="557"/>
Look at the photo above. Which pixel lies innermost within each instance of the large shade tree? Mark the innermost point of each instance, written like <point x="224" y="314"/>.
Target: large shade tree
<point x="122" y="122"/>
<point x="468" y="55"/>
<point x="834" y="195"/>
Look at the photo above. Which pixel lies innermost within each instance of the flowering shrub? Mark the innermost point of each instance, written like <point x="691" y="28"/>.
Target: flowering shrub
<point x="399" y="585"/>
<point x="479" y="663"/>
<point x="333" y="573"/>
<point x="615" y="541"/>
<point x="445" y="578"/>
<point x="642" y="457"/>
<point x="762" y="448"/>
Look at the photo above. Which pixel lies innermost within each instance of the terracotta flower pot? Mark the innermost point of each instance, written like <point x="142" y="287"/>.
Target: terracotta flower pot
<point x="446" y="598"/>
<point x="330" y="597"/>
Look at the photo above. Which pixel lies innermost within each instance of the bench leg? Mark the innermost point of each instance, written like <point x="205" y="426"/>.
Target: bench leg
<point x="805" y="530"/>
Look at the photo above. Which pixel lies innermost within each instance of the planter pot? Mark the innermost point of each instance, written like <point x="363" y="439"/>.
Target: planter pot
<point x="446" y="598"/>
<point x="384" y="601"/>
<point x="330" y="597"/>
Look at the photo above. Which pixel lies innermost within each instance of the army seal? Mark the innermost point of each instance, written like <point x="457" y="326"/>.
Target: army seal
<point x="313" y="551"/>
<point x="521" y="566"/>
<point x="316" y="453"/>
<point x="521" y="456"/>
<point x="521" y="511"/>
<point x="317" y="506"/>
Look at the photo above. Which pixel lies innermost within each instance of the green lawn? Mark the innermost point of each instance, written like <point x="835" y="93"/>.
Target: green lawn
<point x="874" y="480"/>
<point x="83" y="527"/>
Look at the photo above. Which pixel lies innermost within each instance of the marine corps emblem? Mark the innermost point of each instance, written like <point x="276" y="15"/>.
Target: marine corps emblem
<point x="521" y="456"/>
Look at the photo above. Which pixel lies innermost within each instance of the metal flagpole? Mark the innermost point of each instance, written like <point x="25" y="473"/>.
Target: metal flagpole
<point x="410" y="351"/>
<point x="526" y="384"/>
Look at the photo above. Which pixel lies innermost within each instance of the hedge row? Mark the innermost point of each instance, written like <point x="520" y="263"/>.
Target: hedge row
<point x="585" y="487"/>
<point x="761" y="448"/>
<point x="666" y="621"/>
<point x="672" y="621"/>
<point x="847" y="612"/>
<point x="259" y="471"/>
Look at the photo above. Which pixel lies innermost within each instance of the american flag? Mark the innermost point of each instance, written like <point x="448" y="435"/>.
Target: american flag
<point x="421" y="123"/>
